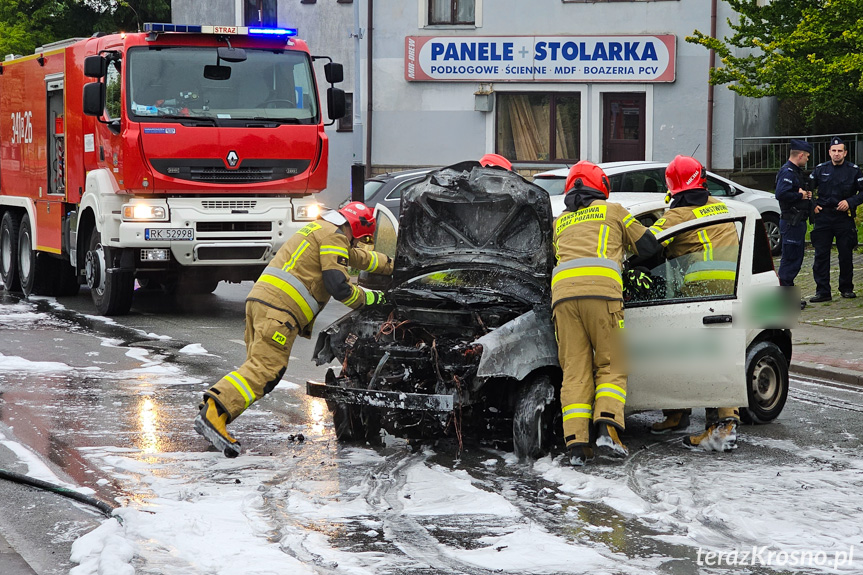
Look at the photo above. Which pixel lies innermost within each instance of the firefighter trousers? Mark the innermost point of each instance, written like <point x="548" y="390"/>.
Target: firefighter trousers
<point x="591" y="354"/>
<point x="269" y="336"/>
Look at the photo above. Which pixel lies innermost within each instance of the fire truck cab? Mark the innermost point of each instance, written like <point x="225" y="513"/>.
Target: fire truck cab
<point x="178" y="157"/>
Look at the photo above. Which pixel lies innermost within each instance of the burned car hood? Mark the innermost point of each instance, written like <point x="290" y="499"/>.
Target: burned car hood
<point x="465" y="216"/>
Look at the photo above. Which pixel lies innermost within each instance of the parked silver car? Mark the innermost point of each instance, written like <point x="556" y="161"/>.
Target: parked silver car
<point x="638" y="177"/>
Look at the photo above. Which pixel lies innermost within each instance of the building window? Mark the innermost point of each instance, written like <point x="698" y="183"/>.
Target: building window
<point x="451" y="12"/>
<point x="539" y="127"/>
<point x="346" y="122"/>
<point x="260" y="12"/>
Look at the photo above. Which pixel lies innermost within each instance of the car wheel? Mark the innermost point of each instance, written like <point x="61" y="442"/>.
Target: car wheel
<point x="355" y="424"/>
<point x="9" y="251"/>
<point x="766" y="382"/>
<point x="531" y="423"/>
<point x="771" y="226"/>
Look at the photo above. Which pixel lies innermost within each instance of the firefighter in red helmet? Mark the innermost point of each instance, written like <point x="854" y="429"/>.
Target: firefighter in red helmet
<point x="495" y="160"/>
<point x="709" y="255"/>
<point x="309" y="268"/>
<point x="590" y="239"/>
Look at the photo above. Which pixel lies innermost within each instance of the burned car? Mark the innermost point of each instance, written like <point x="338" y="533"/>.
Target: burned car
<point x="456" y="349"/>
<point x="465" y="346"/>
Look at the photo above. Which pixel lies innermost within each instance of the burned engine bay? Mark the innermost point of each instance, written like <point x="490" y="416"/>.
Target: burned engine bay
<point x="469" y="296"/>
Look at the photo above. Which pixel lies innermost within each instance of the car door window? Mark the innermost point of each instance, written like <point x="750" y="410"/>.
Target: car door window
<point x="699" y="262"/>
<point x="639" y="181"/>
<point x="396" y="193"/>
<point x="718" y="188"/>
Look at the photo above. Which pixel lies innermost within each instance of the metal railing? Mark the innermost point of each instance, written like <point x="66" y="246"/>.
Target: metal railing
<point x="767" y="154"/>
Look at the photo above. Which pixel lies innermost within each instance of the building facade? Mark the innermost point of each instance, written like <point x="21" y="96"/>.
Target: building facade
<point x="543" y="83"/>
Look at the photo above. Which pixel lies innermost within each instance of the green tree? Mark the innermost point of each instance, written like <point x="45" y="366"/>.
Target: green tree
<point x="27" y="24"/>
<point x="807" y="52"/>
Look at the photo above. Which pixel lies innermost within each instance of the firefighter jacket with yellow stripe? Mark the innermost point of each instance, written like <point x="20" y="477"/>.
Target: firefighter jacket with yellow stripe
<point x="590" y="245"/>
<point x="311" y="266"/>
<point x="708" y="253"/>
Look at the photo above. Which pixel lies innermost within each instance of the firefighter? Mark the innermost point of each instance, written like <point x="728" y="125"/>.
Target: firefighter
<point x="709" y="255"/>
<point x="495" y="161"/>
<point x="587" y="307"/>
<point x="309" y="268"/>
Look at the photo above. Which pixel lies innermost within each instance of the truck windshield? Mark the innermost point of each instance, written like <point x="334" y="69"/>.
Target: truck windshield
<point x="169" y="82"/>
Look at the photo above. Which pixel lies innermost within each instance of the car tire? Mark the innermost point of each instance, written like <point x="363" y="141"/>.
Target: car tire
<point x="532" y="428"/>
<point x="355" y="424"/>
<point x="771" y="226"/>
<point x="766" y="382"/>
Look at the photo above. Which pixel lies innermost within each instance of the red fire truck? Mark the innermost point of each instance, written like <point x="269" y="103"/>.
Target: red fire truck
<point x="178" y="157"/>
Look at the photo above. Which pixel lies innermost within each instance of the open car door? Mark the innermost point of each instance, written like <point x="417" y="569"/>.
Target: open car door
<point x="386" y="233"/>
<point x="685" y="347"/>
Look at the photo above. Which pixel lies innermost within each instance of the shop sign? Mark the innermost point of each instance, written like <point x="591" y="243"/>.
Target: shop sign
<point x="540" y="58"/>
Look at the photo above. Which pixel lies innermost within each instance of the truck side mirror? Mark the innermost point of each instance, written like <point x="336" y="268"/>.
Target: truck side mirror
<point x="95" y="67"/>
<point x="334" y="73"/>
<point x="94" y="99"/>
<point x="336" y="107"/>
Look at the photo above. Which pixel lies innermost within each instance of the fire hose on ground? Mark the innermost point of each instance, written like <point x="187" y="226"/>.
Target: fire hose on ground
<point x="105" y="508"/>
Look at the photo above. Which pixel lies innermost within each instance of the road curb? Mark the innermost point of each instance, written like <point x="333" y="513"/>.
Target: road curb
<point x="826" y="372"/>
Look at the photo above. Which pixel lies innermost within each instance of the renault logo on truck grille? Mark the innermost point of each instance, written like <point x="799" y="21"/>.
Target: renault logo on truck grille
<point x="232" y="158"/>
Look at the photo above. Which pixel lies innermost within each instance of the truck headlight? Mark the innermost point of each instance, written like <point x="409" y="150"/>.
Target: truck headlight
<point x="307" y="212"/>
<point x="145" y="212"/>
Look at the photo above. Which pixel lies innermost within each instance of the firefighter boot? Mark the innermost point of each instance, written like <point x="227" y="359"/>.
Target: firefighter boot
<point x="721" y="436"/>
<point x="210" y="423"/>
<point x="675" y="420"/>
<point x="579" y="455"/>
<point x="608" y="443"/>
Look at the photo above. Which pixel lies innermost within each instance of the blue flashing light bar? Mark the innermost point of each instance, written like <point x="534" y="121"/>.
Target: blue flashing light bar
<point x="272" y="31"/>
<point x="229" y="30"/>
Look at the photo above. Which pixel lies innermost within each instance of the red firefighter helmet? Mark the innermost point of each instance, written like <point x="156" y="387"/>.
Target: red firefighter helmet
<point x="685" y="173"/>
<point x="361" y="218"/>
<point x="495" y="160"/>
<point x="587" y="175"/>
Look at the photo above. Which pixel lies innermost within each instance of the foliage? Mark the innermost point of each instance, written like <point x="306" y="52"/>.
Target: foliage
<point x="27" y="24"/>
<point x="806" y="51"/>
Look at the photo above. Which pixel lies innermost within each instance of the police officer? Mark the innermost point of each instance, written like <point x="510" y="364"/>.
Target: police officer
<point x="710" y="256"/>
<point x="795" y="205"/>
<point x="587" y="307"/>
<point x="309" y="268"/>
<point x="839" y="185"/>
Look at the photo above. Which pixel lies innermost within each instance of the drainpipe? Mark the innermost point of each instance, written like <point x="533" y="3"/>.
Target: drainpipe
<point x="712" y="59"/>
<point x="357" y="103"/>
<point x="370" y="36"/>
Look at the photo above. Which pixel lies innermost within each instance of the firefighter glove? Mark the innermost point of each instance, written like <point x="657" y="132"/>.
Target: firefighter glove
<point x="375" y="297"/>
<point x="637" y="282"/>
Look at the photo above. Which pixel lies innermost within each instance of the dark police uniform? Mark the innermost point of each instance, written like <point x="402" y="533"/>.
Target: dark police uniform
<point x="834" y="184"/>
<point x="794" y="212"/>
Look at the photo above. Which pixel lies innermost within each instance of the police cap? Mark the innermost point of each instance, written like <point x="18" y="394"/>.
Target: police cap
<point x="836" y="141"/>
<point x="801" y="145"/>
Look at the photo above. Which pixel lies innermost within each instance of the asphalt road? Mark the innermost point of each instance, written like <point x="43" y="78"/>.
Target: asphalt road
<point x="144" y="392"/>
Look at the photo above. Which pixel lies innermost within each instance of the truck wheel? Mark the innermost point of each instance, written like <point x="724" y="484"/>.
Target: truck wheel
<point x="531" y="422"/>
<point x="766" y="381"/>
<point x="112" y="293"/>
<point x="30" y="268"/>
<point x="9" y="251"/>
